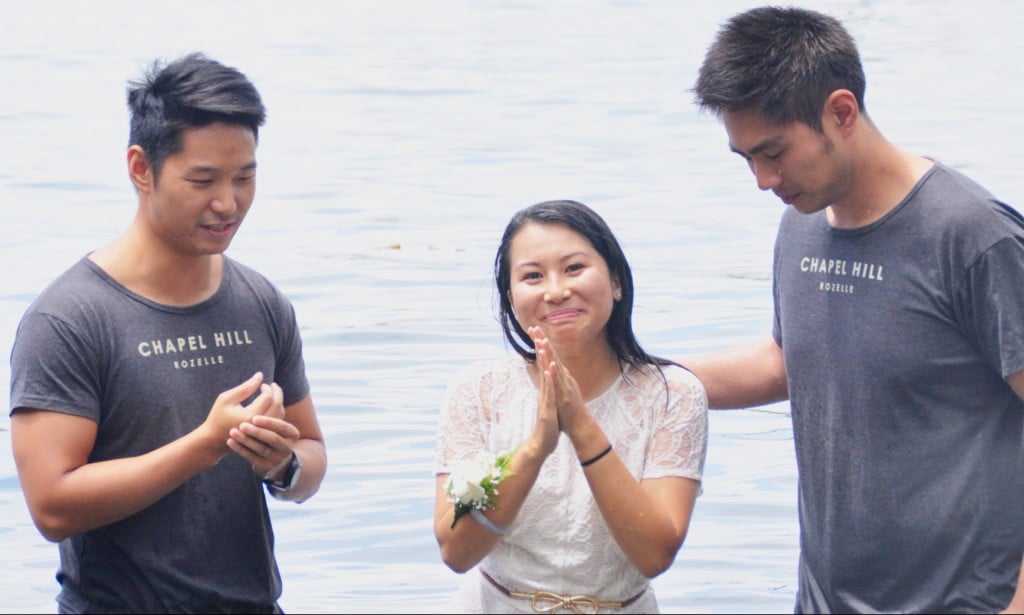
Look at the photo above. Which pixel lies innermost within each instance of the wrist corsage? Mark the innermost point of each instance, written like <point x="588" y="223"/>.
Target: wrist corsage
<point x="473" y="484"/>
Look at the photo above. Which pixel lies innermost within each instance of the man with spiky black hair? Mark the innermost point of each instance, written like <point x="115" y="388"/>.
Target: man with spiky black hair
<point x="158" y="386"/>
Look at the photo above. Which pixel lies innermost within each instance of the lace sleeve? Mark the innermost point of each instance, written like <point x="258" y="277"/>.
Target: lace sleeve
<point x="679" y="443"/>
<point x="462" y="424"/>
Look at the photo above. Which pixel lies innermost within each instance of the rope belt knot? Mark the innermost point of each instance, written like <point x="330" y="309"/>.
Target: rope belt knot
<point x="550" y="602"/>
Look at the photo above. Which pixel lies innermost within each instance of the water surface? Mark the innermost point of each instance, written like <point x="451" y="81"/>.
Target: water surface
<point x="401" y="136"/>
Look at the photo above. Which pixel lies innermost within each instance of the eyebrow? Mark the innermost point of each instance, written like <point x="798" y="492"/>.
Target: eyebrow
<point x="567" y="257"/>
<point x="757" y="149"/>
<point x="203" y="169"/>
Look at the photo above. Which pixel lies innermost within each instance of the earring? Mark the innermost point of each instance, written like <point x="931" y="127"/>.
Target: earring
<point x="617" y="295"/>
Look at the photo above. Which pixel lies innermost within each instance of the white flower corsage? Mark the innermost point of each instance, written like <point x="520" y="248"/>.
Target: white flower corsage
<point x="473" y="484"/>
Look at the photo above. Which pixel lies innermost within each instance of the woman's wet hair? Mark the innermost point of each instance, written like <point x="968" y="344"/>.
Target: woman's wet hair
<point x="581" y="219"/>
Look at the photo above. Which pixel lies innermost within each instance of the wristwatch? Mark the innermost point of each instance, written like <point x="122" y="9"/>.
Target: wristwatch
<point x="289" y="480"/>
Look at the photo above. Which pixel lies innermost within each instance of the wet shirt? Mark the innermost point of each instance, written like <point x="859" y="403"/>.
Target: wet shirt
<point x="148" y="374"/>
<point x="910" y="444"/>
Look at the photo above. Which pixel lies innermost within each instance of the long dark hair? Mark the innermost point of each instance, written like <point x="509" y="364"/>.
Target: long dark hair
<point x="579" y="218"/>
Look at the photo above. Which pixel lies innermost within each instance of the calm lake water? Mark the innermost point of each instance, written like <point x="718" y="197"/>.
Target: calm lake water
<point x="401" y="136"/>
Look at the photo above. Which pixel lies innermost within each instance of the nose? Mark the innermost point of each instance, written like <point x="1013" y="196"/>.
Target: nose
<point x="768" y="176"/>
<point x="557" y="290"/>
<point x="224" y="201"/>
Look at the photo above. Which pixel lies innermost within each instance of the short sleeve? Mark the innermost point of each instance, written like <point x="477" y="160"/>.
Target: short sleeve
<point x="54" y="367"/>
<point x="290" y="367"/>
<point x="289" y="364"/>
<point x="991" y="305"/>
<point x="776" y="257"/>
<point x="460" y="430"/>
<point x="679" y="441"/>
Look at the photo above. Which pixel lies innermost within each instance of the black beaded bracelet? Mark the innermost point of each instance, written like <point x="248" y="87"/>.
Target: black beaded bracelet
<point x="596" y="457"/>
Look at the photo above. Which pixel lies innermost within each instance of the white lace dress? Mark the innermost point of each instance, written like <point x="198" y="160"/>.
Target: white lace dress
<point x="559" y="541"/>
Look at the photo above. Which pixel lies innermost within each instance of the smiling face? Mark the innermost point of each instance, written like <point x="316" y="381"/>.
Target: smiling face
<point x="561" y="283"/>
<point x="203" y="192"/>
<point x="800" y="165"/>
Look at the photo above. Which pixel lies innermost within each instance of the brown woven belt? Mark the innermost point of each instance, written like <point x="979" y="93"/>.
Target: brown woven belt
<point x="549" y="602"/>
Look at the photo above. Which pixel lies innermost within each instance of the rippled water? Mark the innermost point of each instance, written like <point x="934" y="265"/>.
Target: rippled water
<point x="401" y="137"/>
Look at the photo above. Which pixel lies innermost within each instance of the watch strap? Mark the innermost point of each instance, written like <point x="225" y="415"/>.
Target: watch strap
<point x="290" y="476"/>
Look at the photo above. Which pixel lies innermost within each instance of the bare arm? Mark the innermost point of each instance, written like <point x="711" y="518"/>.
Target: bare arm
<point x="751" y="374"/>
<point x="648" y="519"/>
<point x="463" y="546"/>
<point x="67" y="495"/>
<point x="1016" y="381"/>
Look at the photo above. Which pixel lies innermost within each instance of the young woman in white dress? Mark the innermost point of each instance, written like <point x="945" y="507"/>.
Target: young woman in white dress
<point x="608" y="442"/>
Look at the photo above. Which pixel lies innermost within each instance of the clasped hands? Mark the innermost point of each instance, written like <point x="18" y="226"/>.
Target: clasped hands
<point x="257" y="431"/>
<point x="560" y="401"/>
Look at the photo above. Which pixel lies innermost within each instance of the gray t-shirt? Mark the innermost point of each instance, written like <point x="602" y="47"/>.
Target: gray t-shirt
<point x="148" y="374"/>
<point x="897" y="338"/>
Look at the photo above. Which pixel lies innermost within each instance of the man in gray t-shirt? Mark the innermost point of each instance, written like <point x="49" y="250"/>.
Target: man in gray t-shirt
<point x="898" y="335"/>
<point x="158" y="386"/>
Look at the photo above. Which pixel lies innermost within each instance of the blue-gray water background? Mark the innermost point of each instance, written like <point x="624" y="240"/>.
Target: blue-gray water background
<point x="401" y="136"/>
